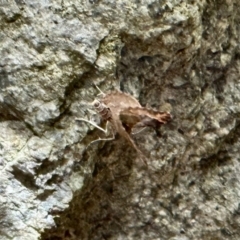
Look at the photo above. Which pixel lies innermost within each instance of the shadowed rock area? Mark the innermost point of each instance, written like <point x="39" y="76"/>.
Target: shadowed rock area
<point x="181" y="57"/>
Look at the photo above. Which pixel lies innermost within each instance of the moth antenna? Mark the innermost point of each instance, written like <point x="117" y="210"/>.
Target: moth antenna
<point x="95" y="125"/>
<point x="101" y="92"/>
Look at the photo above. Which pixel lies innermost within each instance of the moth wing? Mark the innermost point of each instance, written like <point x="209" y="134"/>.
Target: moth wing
<point x="118" y="101"/>
<point x="143" y="117"/>
<point x="129" y="119"/>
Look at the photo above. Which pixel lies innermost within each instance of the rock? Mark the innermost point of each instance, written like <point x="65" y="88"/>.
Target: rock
<point x="176" y="56"/>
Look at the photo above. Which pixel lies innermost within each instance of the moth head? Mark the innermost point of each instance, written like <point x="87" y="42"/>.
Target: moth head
<point x="96" y="103"/>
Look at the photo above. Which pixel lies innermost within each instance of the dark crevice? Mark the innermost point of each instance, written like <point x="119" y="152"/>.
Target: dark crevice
<point x="81" y="215"/>
<point x="43" y="196"/>
<point x="55" y="179"/>
<point x="26" y="179"/>
<point x="7" y="117"/>
<point x="46" y="167"/>
<point x="78" y="82"/>
<point x="13" y="18"/>
<point x="31" y="128"/>
<point x="221" y="157"/>
<point x="9" y="113"/>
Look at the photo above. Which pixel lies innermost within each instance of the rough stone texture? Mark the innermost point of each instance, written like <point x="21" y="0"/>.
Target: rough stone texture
<point x="178" y="56"/>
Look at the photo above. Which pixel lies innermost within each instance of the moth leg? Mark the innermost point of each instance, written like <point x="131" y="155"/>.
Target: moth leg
<point x="90" y="111"/>
<point x="92" y="123"/>
<point x="100" y="139"/>
<point x="103" y="139"/>
<point x="138" y="131"/>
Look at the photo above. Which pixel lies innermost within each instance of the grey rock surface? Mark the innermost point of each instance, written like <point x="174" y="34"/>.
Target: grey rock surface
<point x="177" y="56"/>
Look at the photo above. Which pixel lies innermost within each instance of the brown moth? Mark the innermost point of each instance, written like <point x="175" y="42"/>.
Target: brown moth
<point x="124" y="113"/>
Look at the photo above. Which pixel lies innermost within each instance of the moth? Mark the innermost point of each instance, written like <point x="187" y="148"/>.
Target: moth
<point x="125" y="114"/>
